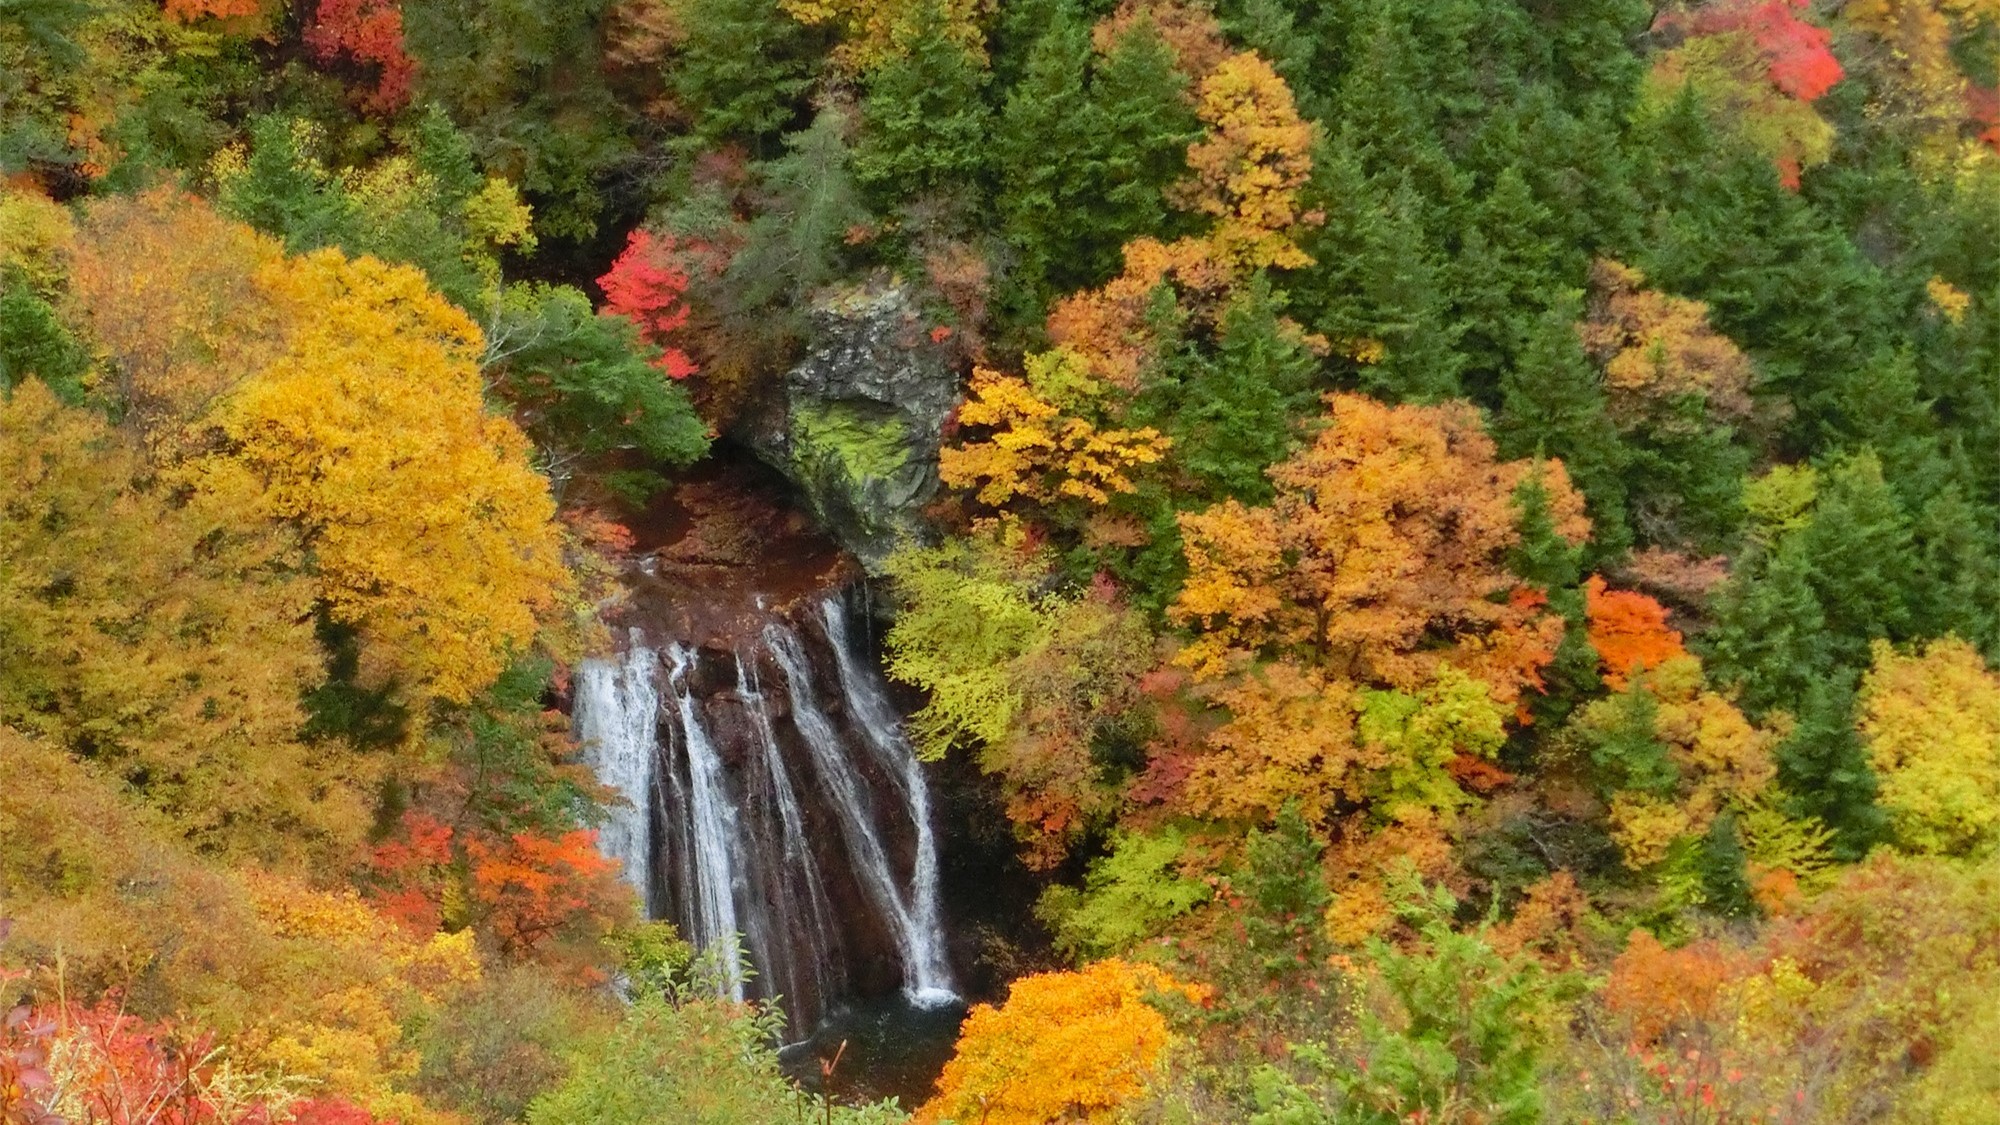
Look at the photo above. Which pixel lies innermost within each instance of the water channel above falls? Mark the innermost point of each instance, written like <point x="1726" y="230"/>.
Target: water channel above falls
<point x="770" y="794"/>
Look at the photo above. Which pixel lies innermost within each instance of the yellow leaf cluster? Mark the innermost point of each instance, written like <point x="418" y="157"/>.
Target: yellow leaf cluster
<point x="169" y="290"/>
<point x="1036" y="450"/>
<point x="430" y="533"/>
<point x="167" y="637"/>
<point x="34" y="232"/>
<point x="1249" y="168"/>
<point x="1723" y="761"/>
<point x="345" y="1032"/>
<point x="1950" y="300"/>
<point x="1657" y="349"/>
<point x="873" y="31"/>
<point x="1072" y="1048"/>
<point x="1932" y="723"/>
<point x="1251" y="165"/>
<point x="1290" y="736"/>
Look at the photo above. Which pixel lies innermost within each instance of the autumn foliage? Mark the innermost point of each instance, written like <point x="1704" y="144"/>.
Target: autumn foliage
<point x="367" y="33"/>
<point x="537" y="888"/>
<point x="1065" y="1047"/>
<point x="1382" y="558"/>
<point x="647" y="284"/>
<point x="1629" y="631"/>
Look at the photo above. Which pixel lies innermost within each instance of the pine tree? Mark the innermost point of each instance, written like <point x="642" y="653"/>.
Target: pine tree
<point x="1551" y="562"/>
<point x="1142" y="106"/>
<point x="740" y="71"/>
<point x="1047" y="168"/>
<point x="1235" y="412"/>
<point x="1860" y="551"/>
<point x="1505" y="266"/>
<point x="1552" y="405"/>
<point x="1770" y="637"/>
<point x="923" y="124"/>
<point x="34" y="344"/>
<point x="1377" y="283"/>
<point x="1287" y="894"/>
<point x="1824" y="768"/>
<point x="1954" y="584"/>
<point x="795" y="242"/>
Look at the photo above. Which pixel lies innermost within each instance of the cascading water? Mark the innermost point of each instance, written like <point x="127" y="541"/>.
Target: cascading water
<point x="775" y="801"/>
<point x="929" y="968"/>
<point x="618" y="721"/>
<point x="712" y="829"/>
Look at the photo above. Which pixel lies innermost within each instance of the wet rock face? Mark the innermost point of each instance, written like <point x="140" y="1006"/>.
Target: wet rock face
<point x="857" y="424"/>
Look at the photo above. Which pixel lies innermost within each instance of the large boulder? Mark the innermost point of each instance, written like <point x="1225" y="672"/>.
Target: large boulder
<point x="857" y="424"/>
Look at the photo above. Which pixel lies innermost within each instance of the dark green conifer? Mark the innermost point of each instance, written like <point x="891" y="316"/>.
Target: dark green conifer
<point x="1552" y="404"/>
<point x="924" y="125"/>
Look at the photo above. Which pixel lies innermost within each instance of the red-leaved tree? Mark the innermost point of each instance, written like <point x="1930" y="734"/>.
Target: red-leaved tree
<point x="367" y="33"/>
<point x="647" y="285"/>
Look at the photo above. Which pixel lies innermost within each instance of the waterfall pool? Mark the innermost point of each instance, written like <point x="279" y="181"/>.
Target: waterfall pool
<point x="895" y="1048"/>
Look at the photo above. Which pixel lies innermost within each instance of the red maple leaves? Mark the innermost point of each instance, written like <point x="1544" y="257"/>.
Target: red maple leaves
<point x="647" y="285"/>
<point x="1799" y="54"/>
<point x="368" y="33"/>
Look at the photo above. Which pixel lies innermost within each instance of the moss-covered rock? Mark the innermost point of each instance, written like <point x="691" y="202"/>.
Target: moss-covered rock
<point x="857" y="423"/>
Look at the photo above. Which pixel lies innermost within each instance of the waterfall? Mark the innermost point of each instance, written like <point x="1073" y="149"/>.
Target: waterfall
<point x="712" y="829"/>
<point x="797" y="890"/>
<point x="773" y="800"/>
<point x="617" y="721"/>
<point x="883" y="729"/>
<point x="925" y="976"/>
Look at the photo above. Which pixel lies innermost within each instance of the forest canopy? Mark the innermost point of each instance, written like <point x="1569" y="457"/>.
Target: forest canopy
<point x="1457" y="556"/>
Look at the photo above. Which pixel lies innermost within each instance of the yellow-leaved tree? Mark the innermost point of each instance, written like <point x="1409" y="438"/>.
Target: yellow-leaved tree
<point x="428" y="530"/>
<point x="165" y="637"/>
<point x="1072" y="1047"/>
<point x="1932" y="723"/>
<point x="1040" y="438"/>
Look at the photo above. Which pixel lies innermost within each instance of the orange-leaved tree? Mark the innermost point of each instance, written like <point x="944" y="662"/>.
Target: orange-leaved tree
<point x="543" y="893"/>
<point x="1382" y="557"/>
<point x="1251" y="165"/>
<point x="1629" y="631"/>
<point x="1074" y="1047"/>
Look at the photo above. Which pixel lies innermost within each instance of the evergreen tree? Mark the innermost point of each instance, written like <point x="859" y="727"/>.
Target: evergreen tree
<point x="1770" y="637"/>
<point x="924" y="124"/>
<point x="1376" y="284"/>
<point x="794" y="245"/>
<point x="1954" y="582"/>
<point x="1287" y="894"/>
<point x="1046" y="167"/>
<point x="1552" y="404"/>
<point x="35" y="344"/>
<point x="1141" y="103"/>
<point x="1684" y="480"/>
<point x="1552" y="563"/>
<point x="740" y="71"/>
<point x="285" y="192"/>
<point x="1859" y="548"/>
<point x="1824" y="768"/>
<point x="1234" y="413"/>
<point x="1505" y="266"/>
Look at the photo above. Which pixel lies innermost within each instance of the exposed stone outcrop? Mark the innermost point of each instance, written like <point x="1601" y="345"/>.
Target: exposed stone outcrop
<point x="857" y="424"/>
